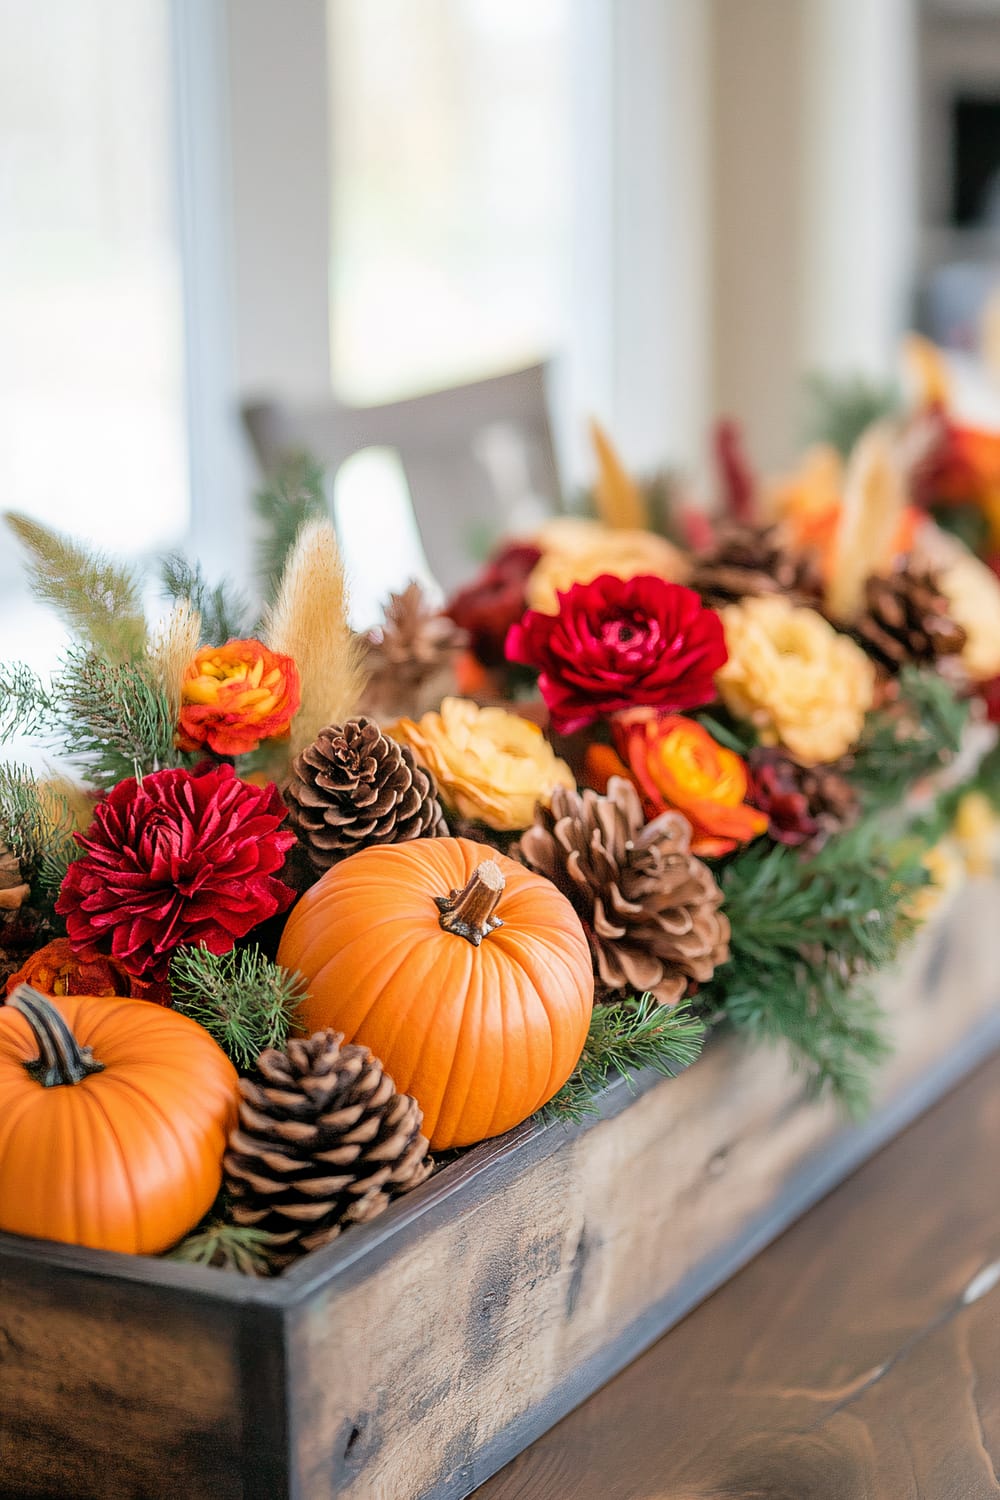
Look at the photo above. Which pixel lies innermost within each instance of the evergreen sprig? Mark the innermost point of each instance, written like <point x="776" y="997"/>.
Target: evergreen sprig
<point x="226" y="1247"/>
<point x="37" y="824"/>
<point x="242" y="999"/>
<point x="225" y="611"/>
<point x="839" y="409"/>
<point x="625" y="1038"/>
<point x="909" y="739"/>
<point x="26" y="705"/>
<point x="294" y="496"/>
<point x="111" y="718"/>
<point x="99" y="599"/>
<point x="806" y="935"/>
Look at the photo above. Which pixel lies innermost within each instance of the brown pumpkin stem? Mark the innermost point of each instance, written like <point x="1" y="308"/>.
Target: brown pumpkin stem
<point x="469" y="912"/>
<point x="61" y="1059"/>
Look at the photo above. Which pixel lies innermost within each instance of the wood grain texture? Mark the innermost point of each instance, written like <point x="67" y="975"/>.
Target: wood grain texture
<point x="480" y="1331"/>
<point x="856" y="1359"/>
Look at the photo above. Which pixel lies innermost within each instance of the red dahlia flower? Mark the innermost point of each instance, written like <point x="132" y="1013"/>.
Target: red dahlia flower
<point x="175" y="860"/>
<point x="618" y="644"/>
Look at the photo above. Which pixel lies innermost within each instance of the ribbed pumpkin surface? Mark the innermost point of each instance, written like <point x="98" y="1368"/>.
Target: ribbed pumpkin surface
<point x="482" y="1037"/>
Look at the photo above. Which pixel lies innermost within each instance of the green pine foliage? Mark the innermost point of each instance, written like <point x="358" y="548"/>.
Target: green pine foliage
<point x="294" y="496"/>
<point x="98" y="599"/>
<point x="26" y="705"/>
<point x="907" y="740"/>
<point x="245" y="1001"/>
<point x="225" y="612"/>
<point x="226" y="1247"/>
<point x="838" y="409"/>
<point x="37" y="824"/>
<point x="625" y="1038"/>
<point x="807" y="935"/>
<point x="111" y="719"/>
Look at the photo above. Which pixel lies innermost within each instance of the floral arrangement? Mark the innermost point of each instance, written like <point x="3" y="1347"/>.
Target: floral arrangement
<point x="298" y="905"/>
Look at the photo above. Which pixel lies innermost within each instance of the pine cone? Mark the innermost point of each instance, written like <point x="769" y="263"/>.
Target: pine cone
<point x="906" y="619"/>
<point x="650" y="909"/>
<point x="411" y="659"/>
<point x="804" y="804"/>
<point x="354" y="786"/>
<point x="323" y="1141"/>
<point x="20" y="926"/>
<point x="752" y="560"/>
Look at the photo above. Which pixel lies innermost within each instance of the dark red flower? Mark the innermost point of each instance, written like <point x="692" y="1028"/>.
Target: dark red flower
<point x="774" y="788"/>
<point x="493" y="601"/>
<point x="620" y="643"/>
<point x="991" y="697"/>
<point x="176" y="860"/>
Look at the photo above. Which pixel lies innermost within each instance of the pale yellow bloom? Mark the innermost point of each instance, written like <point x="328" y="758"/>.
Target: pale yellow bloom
<point x="801" y="683"/>
<point x="944" y="865"/>
<point x="576" y="550"/>
<point x="977" y="830"/>
<point x="489" y="764"/>
<point x="973" y="594"/>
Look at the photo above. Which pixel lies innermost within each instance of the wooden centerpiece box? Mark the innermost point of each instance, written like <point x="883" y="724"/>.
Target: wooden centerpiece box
<point x="419" y="1353"/>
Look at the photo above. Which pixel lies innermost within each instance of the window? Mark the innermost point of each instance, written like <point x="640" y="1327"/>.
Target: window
<point x="91" y="385"/>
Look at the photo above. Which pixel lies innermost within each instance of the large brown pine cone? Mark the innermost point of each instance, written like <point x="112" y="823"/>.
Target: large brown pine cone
<point x="649" y="907"/>
<point x="804" y="804"/>
<point x="906" y="619"/>
<point x="355" y="786"/>
<point x="323" y="1141"/>
<point x="752" y="560"/>
<point x="411" y="658"/>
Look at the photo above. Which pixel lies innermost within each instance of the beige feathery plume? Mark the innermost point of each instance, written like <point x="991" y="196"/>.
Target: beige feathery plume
<point x="171" y="650"/>
<point x="874" y="500"/>
<point x="927" y="371"/>
<point x="64" y="805"/>
<point x="620" y="502"/>
<point x="308" y="622"/>
<point x="989" y="339"/>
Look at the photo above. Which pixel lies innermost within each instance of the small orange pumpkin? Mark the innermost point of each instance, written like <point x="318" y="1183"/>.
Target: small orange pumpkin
<point x="114" y="1117"/>
<point x="466" y="974"/>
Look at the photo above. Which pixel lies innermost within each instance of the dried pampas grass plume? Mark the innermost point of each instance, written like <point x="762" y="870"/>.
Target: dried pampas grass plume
<point x="619" y="500"/>
<point x="874" y="501"/>
<point x="171" y="650"/>
<point x="308" y="622"/>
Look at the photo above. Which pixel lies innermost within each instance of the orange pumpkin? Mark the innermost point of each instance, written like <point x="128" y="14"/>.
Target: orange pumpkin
<point x="114" y="1117"/>
<point x="468" y="975"/>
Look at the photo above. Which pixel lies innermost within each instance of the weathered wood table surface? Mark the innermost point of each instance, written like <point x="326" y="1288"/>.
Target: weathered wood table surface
<point x="856" y="1359"/>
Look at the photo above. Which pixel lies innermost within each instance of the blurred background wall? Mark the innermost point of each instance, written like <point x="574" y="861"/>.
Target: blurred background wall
<point x="684" y="205"/>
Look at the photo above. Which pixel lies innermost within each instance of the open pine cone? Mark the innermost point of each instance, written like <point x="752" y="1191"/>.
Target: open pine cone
<point x="355" y="786"/>
<point x="323" y="1141"/>
<point x="753" y="560"/>
<point x="649" y="907"/>
<point x="411" y="658"/>
<point x="906" y="619"/>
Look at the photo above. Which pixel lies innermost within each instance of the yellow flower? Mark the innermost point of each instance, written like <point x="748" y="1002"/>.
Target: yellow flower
<point x="977" y="830"/>
<point x="801" y="683"/>
<point x="973" y="594"/>
<point x="489" y="765"/>
<point x="944" y="866"/>
<point x="575" y="551"/>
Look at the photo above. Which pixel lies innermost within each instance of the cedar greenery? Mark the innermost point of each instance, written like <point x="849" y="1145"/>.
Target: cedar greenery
<point x="99" y="599"/>
<point x="224" y="610"/>
<point x="294" y="496"/>
<point x="245" y="1001"/>
<point x="807" y="933"/>
<point x="909" y="739"/>
<point x="625" y="1038"/>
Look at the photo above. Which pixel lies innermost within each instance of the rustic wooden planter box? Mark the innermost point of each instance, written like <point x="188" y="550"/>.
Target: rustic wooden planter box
<point x="421" y="1352"/>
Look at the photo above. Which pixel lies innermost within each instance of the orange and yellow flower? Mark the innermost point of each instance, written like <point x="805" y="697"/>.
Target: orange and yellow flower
<point x="56" y="970"/>
<point x="675" y="763"/>
<point x="236" y="695"/>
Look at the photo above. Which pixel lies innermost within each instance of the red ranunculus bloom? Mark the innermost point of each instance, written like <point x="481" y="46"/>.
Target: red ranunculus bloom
<point x="176" y="860"/>
<point x="621" y="643"/>
<point x="489" y="605"/>
<point x="991" y="697"/>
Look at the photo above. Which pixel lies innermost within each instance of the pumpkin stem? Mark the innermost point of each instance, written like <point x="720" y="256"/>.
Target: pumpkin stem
<point x="469" y="912"/>
<point x="61" y="1059"/>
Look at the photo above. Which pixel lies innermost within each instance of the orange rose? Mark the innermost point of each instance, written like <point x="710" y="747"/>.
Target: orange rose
<point x="675" y="763"/>
<point x="236" y="695"/>
<point x="56" y="970"/>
